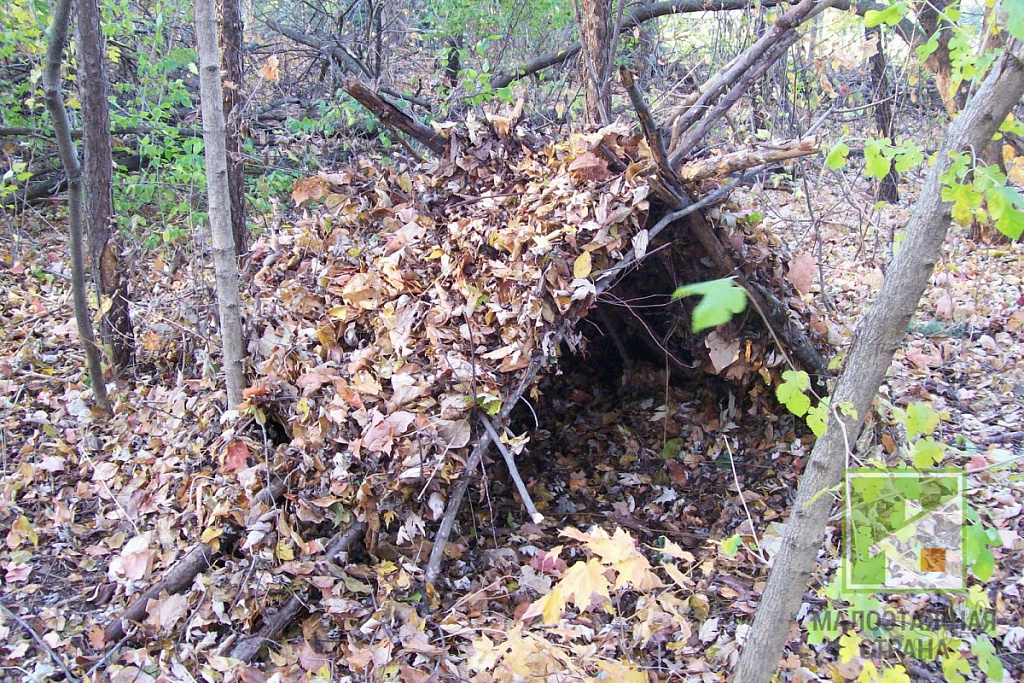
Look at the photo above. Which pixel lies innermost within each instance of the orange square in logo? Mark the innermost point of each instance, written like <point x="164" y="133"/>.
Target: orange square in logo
<point x="933" y="559"/>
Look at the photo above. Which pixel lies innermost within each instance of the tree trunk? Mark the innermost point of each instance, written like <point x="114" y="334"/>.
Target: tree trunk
<point x="69" y="157"/>
<point x="929" y="14"/>
<point x="230" y="15"/>
<point x="108" y="272"/>
<point x="879" y="335"/>
<point x="888" y="189"/>
<point x="218" y="197"/>
<point x="594" y="23"/>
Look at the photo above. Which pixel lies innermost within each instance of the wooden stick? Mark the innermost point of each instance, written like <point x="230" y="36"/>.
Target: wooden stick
<point x="181" y="575"/>
<point x="247" y="648"/>
<point x="433" y="569"/>
<point x="513" y="471"/>
<point x="41" y="643"/>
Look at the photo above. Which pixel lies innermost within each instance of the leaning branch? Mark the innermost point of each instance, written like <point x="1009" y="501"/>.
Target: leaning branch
<point x="385" y="109"/>
<point x="761" y="155"/>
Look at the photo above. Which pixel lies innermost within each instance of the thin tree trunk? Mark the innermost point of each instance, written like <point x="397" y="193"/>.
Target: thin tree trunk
<point x="218" y="197"/>
<point x="878" y="337"/>
<point x="888" y="189"/>
<point x="62" y="128"/>
<point x="108" y="272"/>
<point x="231" y="64"/>
<point x="594" y="23"/>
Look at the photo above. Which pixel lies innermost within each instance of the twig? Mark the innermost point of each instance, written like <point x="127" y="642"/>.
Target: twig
<point x="105" y="659"/>
<point x="743" y="501"/>
<point x="342" y="541"/>
<point x="513" y="471"/>
<point x="42" y="643"/>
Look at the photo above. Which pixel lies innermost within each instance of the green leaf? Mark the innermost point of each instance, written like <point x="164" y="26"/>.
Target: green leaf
<point x="671" y="449"/>
<point x="977" y="555"/>
<point x="721" y="300"/>
<point x="731" y="545"/>
<point x="817" y="418"/>
<point x="926" y="50"/>
<point x="954" y="666"/>
<point x="1004" y="207"/>
<point x="965" y="201"/>
<point x="876" y="163"/>
<point x="988" y="662"/>
<point x="791" y="392"/>
<point x="921" y="420"/>
<point x="908" y="156"/>
<point x="824" y="626"/>
<point x="890" y="16"/>
<point x="836" y="159"/>
<point x="1014" y="18"/>
<point x="928" y="453"/>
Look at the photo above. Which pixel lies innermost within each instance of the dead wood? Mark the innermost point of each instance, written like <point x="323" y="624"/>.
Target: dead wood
<point x="341" y="542"/>
<point x="433" y="569"/>
<point x="247" y="648"/>
<point x="775" y="314"/>
<point x="182" y="574"/>
<point x="375" y="101"/>
<point x="390" y="115"/>
<point x="649" y="128"/>
<point x="761" y="155"/>
<point x="724" y="89"/>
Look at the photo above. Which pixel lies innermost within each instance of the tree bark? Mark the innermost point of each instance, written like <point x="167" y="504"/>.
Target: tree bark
<point x="888" y="189"/>
<point x="594" y="23"/>
<point x="218" y="197"/>
<point x="69" y="157"/>
<point x="929" y="14"/>
<point x="230" y="15"/>
<point x="108" y="272"/>
<point x="877" y="339"/>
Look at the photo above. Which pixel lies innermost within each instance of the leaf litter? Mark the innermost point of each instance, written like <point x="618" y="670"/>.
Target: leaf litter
<point x="404" y="300"/>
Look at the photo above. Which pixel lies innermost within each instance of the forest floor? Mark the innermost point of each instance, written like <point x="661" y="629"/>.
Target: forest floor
<point x="96" y="509"/>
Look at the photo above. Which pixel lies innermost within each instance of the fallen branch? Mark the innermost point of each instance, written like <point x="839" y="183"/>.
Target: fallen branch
<point x="724" y="89"/>
<point x="247" y="648"/>
<point x="390" y="115"/>
<point x="513" y="471"/>
<point x="182" y="574"/>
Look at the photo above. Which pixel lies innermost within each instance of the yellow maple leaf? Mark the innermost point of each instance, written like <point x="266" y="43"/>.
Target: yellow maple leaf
<point x="612" y="549"/>
<point x="849" y="646"/>
<point x="635" y="570"/>
<point x="484" y="655"/>
<point x="869" y="674"/>
<point x="550" y="607"/>
<point x="621" y="671"/>
<point x="584" y="581"/>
